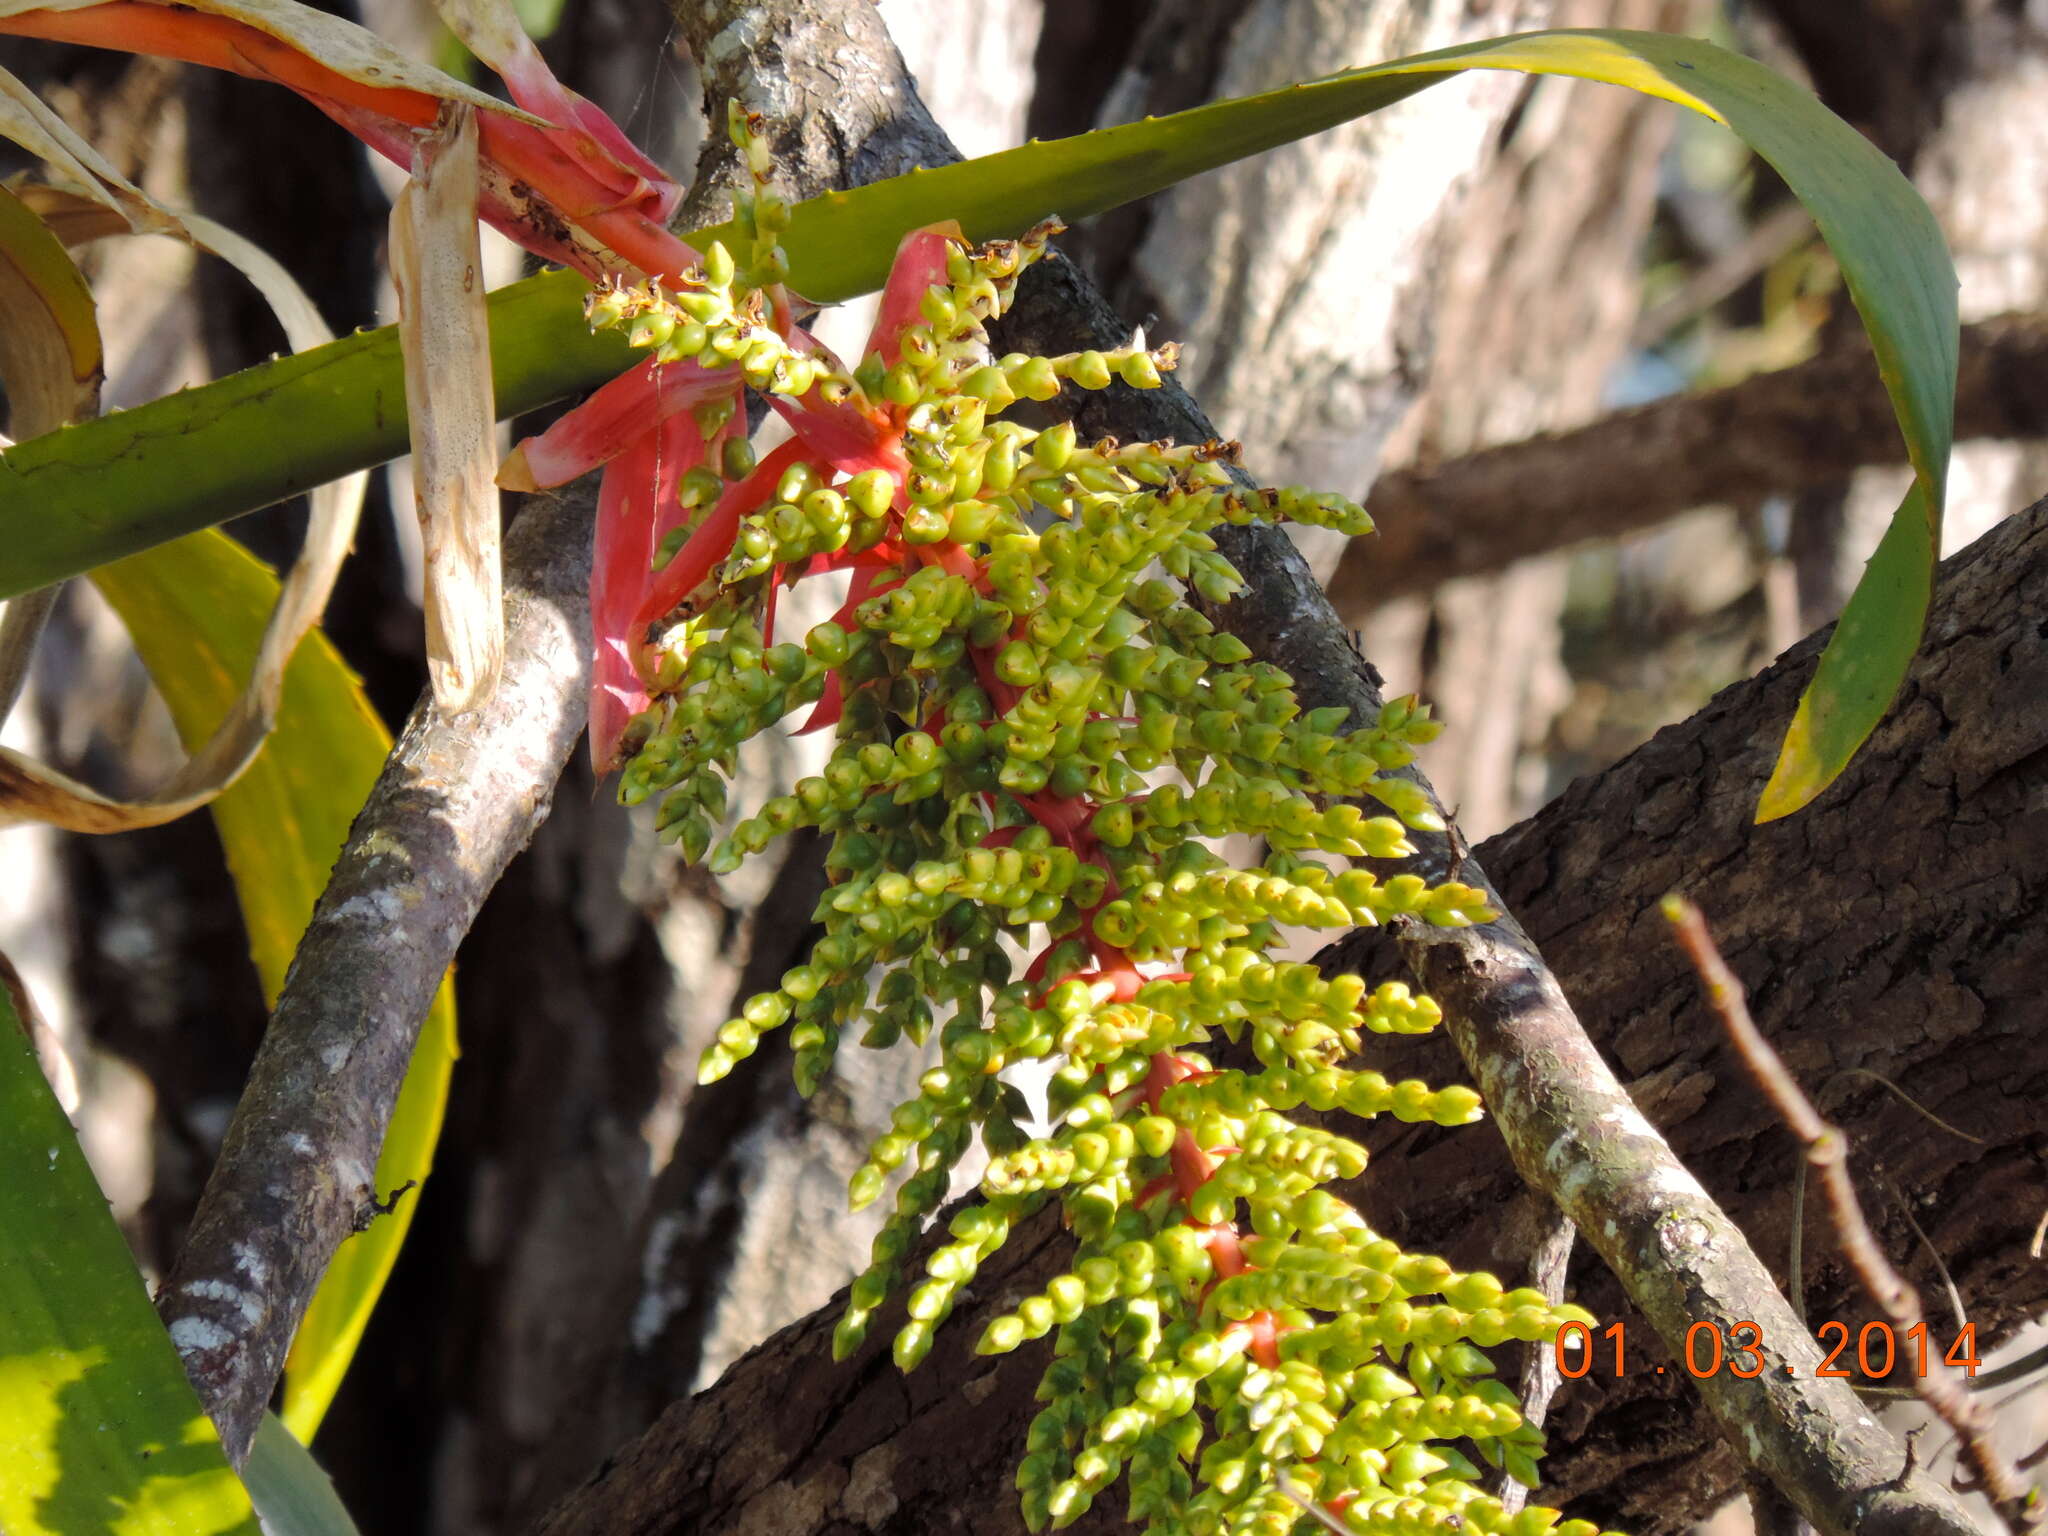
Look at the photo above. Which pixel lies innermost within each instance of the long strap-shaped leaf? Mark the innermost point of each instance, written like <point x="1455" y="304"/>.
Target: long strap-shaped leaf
<point x="99" y="1430"/>
<point x="119" y="485"/>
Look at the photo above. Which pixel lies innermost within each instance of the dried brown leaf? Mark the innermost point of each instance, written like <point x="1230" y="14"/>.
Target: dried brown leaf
<point x="444" y="332"/>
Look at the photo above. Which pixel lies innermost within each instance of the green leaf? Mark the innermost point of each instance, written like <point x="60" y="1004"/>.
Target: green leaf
<point x="196" y="608"/>
<point x="292" y="1495"/>
<point x="94" y="492"/>
<point x="50" y="346"/>
<point x="172" y="466"/>
<point x="1866" y="657"/>
<point x="99" y="1429"/>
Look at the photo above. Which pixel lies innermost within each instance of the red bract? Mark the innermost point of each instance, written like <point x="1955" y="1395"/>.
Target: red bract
<point x="712" y="542"/>
<point x="617" y="690"/>
<point x="920" y="266"/>
<point x="840" y="438"/>
<point x="615" y="417"/>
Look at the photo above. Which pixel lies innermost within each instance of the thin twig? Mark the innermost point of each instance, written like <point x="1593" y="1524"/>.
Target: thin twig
<point x="2014" y="1370"/>
<point x="2035" y="1457"/>
<point x="1795" y="1276"/>
<point x="1904" y="1098"/>
<point x="1912" y="1438"/>
<point x="1948" y="1283"/>
<point x="1549" y="1268"/>
<point x="1941" y="1389"/>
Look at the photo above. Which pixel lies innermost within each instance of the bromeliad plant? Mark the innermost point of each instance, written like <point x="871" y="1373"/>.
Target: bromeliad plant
<point x="1037" y="739"/>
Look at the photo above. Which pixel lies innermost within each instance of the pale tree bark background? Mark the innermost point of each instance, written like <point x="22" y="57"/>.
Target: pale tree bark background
<point x="600" y="1240"/>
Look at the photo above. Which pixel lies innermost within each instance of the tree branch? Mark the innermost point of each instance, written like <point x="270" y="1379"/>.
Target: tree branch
<point x="456" y="800"/>
<point x="1797" y="429"/>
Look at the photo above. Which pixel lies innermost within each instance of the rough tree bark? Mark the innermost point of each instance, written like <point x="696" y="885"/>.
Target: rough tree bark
<point x="1892" y="929"/>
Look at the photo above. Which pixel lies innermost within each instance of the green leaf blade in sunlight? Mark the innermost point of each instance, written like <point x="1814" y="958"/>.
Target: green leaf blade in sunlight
<point x="196" y="609"/>
<point x="100" y="1432"/>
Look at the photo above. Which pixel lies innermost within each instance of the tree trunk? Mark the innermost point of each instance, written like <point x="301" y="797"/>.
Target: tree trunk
<point x="1892" y="929"/>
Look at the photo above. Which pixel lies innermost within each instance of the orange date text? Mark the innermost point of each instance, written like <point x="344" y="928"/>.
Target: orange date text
<point x="1872" y="1351"/>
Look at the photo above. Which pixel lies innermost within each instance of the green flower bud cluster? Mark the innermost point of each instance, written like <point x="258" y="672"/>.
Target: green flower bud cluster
<point x="1225" y="993"/>
<point x="1038" y="739"/>
<point x="723" y="314"/>
<point x="1363" y="1094"/>
<point x="711" y="322"/>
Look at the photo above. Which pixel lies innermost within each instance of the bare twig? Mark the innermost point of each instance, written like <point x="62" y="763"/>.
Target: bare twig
<point x="1906" y="1099"/>
<point x="456" y="800"/>
<point x="1796" y="429"/>
<point x="1912" y="1438"/>
<point x="1795" y="1259"/>
<point x="1948" y="1281"/>
<point x="1940" y="1388"/>
<point x="2013" y="1370"/>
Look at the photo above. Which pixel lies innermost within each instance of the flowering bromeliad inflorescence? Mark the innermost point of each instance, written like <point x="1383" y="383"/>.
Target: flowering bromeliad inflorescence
<point x="1036" y="737"/>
